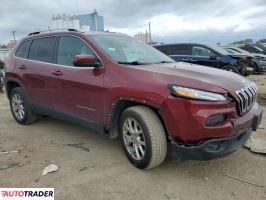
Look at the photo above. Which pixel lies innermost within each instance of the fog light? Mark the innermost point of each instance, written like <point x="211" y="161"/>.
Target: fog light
<point x="216" y="119"/>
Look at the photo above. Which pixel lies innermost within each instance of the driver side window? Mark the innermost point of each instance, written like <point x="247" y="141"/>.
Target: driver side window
<point x="70" y="46"/>
<point x="201" y="51"/>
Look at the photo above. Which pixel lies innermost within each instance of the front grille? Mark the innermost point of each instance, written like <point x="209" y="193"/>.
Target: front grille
<point x="247" y="97"/>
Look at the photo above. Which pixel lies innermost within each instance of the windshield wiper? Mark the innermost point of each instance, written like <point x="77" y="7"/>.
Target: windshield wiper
<point x="164" y="61"/>
<point x="132" y="63"/>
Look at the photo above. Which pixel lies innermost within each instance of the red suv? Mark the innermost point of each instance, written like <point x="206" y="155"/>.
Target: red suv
<point x="119" y="86"/>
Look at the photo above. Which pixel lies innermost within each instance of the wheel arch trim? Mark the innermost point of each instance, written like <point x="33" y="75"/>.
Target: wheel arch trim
<point x="119" y="105"/>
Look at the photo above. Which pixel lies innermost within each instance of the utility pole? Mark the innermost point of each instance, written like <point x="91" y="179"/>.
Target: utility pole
<point x="14" y="36"/>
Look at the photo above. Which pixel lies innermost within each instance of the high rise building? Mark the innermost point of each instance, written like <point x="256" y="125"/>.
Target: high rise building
<point x="93" y="20"/>
<point x="86" y="22"/>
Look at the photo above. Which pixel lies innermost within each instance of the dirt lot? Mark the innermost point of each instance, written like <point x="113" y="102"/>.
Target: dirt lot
<point x="103" y="172"/>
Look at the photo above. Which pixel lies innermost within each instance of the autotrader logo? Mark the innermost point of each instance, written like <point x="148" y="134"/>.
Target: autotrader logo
<point x="26" y="193"/>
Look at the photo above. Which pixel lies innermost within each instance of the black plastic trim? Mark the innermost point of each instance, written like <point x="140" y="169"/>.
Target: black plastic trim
<point x="210" y="149"/>
<point x="52" y="112"/>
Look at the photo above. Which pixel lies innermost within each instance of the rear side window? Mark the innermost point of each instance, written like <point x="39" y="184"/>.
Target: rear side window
<point x="69" y="47"/>
<point x="163" y="49"/>
<point x="23" y="50"/>
<point x="180" y="50"/>
<point x="42" y="49"/>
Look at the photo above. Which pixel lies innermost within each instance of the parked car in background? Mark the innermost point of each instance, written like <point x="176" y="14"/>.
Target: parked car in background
<point x="4" y="53"/>
<point x="207" y="55"/>
<point x="119" y="86"/>
<point x="252" y="48"/>
<point x="261" y="46"/>
<point x="258" y="60"/>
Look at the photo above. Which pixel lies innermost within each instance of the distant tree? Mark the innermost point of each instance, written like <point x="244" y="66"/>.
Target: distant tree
<point x="246" y="41"/>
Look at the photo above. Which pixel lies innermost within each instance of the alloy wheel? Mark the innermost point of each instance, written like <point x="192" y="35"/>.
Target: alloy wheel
<point x="18" y="106"/>
<point x="134" y="139"/>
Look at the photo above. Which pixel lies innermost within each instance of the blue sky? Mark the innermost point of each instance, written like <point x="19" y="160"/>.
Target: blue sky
<point x="172" y="21"/>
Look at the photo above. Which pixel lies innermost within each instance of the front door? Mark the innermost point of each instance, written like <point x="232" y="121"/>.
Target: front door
<point x="203" y="56"/>
<point x="78" y="90"/>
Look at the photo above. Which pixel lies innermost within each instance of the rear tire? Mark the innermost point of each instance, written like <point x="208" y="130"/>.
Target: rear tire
<point x="231" y="68"/>
<point x="143" y="137"/>
<point x="20" y="107"/>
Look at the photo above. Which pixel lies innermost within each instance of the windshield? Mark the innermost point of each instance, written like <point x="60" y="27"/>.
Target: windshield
<point x="127" y="50"/>
<point x="232" y="51"/>
<point x="241" y="50"/>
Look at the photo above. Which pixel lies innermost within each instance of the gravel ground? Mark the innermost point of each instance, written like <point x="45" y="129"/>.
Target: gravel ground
<point x="100" y="170"/>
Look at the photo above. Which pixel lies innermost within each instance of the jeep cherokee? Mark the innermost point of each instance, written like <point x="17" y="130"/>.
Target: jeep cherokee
<point x="119" y="86"/>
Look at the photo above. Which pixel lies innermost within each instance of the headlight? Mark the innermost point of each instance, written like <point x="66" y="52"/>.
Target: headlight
<point x="195" y="94"/>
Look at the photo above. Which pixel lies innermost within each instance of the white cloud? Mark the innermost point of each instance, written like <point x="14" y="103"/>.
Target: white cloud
<point x="172" y="17"/>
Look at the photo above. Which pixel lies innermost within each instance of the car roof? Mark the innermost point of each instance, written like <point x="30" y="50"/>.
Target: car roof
<point x="187" y="43"/>
<point x="71" y="32"/>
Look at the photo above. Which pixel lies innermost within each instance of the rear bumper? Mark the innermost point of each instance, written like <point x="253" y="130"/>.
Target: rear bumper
<point x="215" y="148"/>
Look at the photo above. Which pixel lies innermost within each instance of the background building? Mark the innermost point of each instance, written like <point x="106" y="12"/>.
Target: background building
<point x="86" y="22"/>
<point x="93" y="20"/>
<point x="144" y="37"/>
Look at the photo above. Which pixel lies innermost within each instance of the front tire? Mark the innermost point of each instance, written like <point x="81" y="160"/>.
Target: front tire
<point x="143" y="137"/>
<point x="20" y="107"/>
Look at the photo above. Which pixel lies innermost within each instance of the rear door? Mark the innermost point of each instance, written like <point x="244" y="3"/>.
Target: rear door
<point x="79" y="90"/>
<point x="36" y="67"/>
<point x="180" y="52"/>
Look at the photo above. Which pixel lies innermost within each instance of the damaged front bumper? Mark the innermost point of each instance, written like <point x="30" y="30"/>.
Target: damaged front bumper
<point x="215" y="148"/>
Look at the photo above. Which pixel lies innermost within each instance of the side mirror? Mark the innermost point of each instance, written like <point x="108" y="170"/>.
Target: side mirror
<point x="213" y="56"/>
<point x="85" y="61"/>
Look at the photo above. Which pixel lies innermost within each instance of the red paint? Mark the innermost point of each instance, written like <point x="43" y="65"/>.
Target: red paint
<point x="100" y="88"/>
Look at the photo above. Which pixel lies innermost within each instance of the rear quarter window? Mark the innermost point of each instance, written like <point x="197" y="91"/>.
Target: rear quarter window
<point x="23" y="49"/>
<point x="42" y="49"/>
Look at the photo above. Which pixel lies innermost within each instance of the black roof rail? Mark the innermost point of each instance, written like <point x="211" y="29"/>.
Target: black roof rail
<point x="52" y="30"/>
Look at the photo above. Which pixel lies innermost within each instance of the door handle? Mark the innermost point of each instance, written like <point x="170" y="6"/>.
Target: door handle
<point x="57" y="73"/>
<point x="22" y="67"/>
<point x="185" y="59"/>
<point x="193" y="60"/>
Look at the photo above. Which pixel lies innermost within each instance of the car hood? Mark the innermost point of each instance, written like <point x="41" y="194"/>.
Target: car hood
<point x="195" y="76"/>
<point x="240" y="56"/>
<point x="258" y="55"/>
